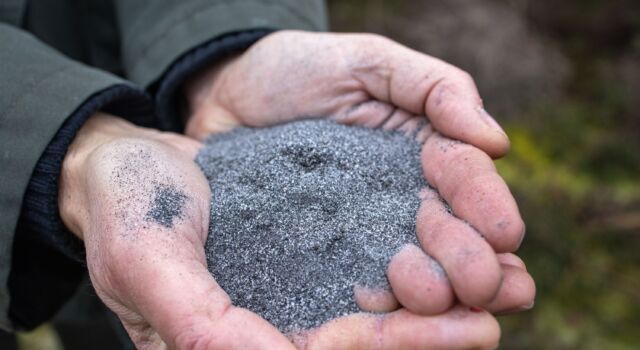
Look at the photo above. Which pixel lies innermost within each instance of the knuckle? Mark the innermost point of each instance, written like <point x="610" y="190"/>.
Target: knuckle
<point x="445" y="105"/>
<point x="372" y="44"/>
<point x="464" y="76"/>
<point x="376" y="38"/>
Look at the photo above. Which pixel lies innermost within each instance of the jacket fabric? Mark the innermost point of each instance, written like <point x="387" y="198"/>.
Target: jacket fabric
<point x="60" y="62"/>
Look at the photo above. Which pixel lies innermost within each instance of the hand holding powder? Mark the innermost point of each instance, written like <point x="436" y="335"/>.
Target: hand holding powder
<point x="303" y="212"/>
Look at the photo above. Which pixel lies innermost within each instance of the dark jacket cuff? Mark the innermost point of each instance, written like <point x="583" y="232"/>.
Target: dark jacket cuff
<point x="45" y="254"/>
<point x="168" y="98"/>
<point x="39" y="217"/>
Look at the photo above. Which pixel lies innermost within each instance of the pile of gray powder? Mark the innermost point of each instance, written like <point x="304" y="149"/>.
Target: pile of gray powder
<point x="302" y="212"/>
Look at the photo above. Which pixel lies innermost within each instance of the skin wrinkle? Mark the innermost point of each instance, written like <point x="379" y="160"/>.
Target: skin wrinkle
<point x="425" y="132"/>
<point x="422" y="84"/>
<point x="388" y="78"/>
<point x="392" y="110"/>
<point x="377" y="112"/>
<point x="355" y="107"/>
<point x="370" y="65"/>
<point x="442" y="88"/>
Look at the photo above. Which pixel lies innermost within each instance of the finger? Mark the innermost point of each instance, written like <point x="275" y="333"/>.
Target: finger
<point x="469" y="261"/>
<point x="397" y="119"/>
<point x="467" y="179"/>
<point x="424" y="85"/>
<point x="424" y="133"/>
<point x="511" y="259"/>
<point x="375" y="299"/>
<point x="216" y="120"/>
<point x="419" y="282"/>
<point x="378" y="114"/>
<point x="368" y="113"/>
<point x="517" y="292"/>
<point x="458" y="328"/>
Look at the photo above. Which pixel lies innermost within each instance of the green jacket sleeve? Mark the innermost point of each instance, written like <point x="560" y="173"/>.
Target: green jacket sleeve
<point x="40" y="88"/>
<point x="155" y="33"/>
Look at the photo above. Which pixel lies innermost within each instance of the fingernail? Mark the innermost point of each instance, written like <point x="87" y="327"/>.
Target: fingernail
<point x="475" y="309"/>
<point x="488" y="119"/>
<point x="519" y="309"/>
<point x="528" y="306"/>
<point x="522" y="234"/>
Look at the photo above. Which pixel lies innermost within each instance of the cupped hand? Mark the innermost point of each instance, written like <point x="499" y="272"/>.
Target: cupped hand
<point x="141" y="206"/>
<point x="369" y="80"/>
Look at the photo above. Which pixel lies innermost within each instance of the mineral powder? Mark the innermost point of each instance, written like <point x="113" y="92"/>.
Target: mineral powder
<point x="167" y="205"/>
<point x="303" y="212"/>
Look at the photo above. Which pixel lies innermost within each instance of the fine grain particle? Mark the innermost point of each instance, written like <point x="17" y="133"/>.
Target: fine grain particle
<point x="303" y="212"/>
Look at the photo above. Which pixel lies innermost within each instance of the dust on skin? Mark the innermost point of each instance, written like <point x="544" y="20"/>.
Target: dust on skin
<point x="158" y="201"/>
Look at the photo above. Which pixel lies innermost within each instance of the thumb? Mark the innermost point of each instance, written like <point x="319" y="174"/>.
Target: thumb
<point x="209" y="119"/>
<point x="424" y="85"/>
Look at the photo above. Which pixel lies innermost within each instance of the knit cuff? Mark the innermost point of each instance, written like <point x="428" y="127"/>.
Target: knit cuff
<point x="168" y="99"/>
<point x="39" y="218"/>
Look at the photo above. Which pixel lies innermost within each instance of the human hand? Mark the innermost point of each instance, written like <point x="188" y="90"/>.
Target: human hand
<point x="354" y="78"/>
<point x="141" y="205"/>
<point x="369" y="80"/>
<point x="142" y="208"/>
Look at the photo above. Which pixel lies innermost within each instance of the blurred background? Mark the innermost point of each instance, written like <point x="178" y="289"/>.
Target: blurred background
<point x="563" y="77"/>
